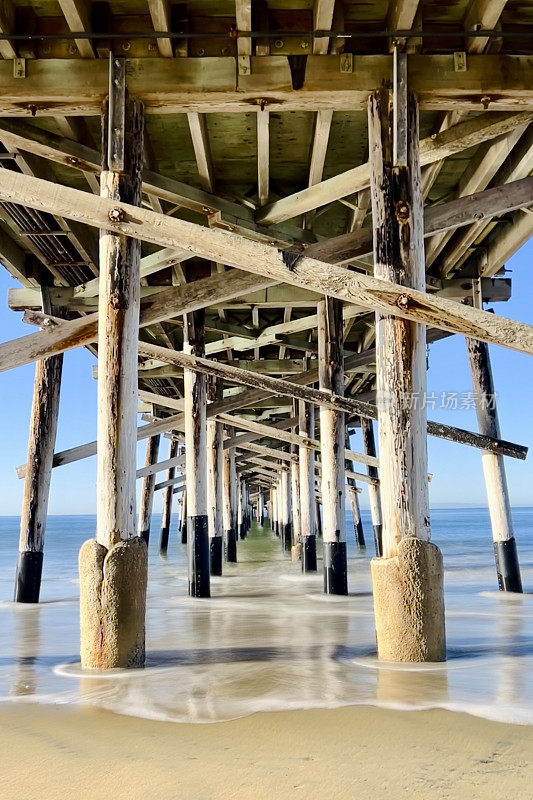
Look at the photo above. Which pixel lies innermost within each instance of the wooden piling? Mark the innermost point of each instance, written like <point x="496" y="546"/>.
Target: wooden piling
<point x="113" y="569"/>
<point x="184" y="518"/>
<point x="228" y="504"/>
<point x="196" y="458"/>
<point x="168" y="494"/>
<point x="332" y="443"/>
<point x="147" y="490"/>
<point x="215" y="467"/>
<point x="407" y="581"/>
<point x="41" y="441"/>
<point x="306" y="428"/>
<point x="296" y="550"/>
<point x="285" y="510"/>
<point x="374" y="499"/>
<point x="507" y="565"/>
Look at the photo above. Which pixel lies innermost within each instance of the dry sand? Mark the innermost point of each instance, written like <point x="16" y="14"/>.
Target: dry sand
<point x="54" y="752"/>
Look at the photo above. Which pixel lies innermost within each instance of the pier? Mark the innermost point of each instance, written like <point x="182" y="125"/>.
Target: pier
<point x="260" y="221"/>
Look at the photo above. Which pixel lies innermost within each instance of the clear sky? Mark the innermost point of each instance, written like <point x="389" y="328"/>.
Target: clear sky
<point x="457" y="472"/>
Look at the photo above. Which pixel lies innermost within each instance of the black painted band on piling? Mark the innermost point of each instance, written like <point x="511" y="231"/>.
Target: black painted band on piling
<point x="287" y="536"/>
<point x="215" y="555"/>
<point x="145" y="535"/>
<point x="198" y="556"/>
<point x="507" y="566"/>
<point x="230" y="546"/>
<point x="184" y="532"/>
<point x="378" y="540"/>
<point x="360" y="535"/>
<point x="309" y="553"/>
<point x="28" y="578"/>
<point x="163" y="539"/>
<point x="335" y="568"/>
<point x="276" y="528"/>
<point x="242" y="530"/>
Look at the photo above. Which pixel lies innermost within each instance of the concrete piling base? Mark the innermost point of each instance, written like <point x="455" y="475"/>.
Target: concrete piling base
<point x="409" y="603"/>
<point x="296" y="551"/>
<point x="113" y="604"/>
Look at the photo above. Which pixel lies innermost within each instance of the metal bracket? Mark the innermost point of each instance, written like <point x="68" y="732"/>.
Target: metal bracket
<point x="459" y="62"/>
<point x="346" y="62"/>
<point x="19" y="67"/>
<point x="244" y="65"/>
<point x="116" y="113"/>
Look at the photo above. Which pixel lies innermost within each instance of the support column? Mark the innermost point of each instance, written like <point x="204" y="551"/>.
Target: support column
<point x="228" y="507"/>
<point x="296" y="549"/>
<point x="275" y="519"/>
<point x="196" y="458"/>
<point x="240" y="509"/>
<point x="113" y="567"/>
<point x="147" y="491"/>
<point x="168" y="495"/>
<point x="260" y="509"/>
<point x="353" y="496"/>
<point x="332" y="442"/>
<point x="41" y="442"/>
<point x="215" y="467"/>
<point x="306" y="428"/>
<point x="184" y="518"/>
<point x="408" y="580"/>
<point x="285" y="510"/>
<point x="507" y="565"/>
<point x="374" y="499"/>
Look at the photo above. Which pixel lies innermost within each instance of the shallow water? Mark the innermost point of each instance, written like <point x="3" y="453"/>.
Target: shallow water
<point x="268" y="639"/>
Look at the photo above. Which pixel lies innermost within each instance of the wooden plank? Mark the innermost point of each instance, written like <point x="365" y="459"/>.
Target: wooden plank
<point x="233" y="250"/>
<point x="402" y="14"/>
<point x="200" y="143"/>
<point x="77" y="15"/>
<point x="277" y="386"/>
<point x="160" y="13"/>
<point x="451" y="215"/>
<point x="322" y="21"/>
<point x="243" y="15"/>
<point x="7" y="26"/>
<point x="454" y="139"/>
<point x="178" y="85"/>
<point x="176" y="300"/>
<point x="263" y="156"/>
<point x="482" y="15"/>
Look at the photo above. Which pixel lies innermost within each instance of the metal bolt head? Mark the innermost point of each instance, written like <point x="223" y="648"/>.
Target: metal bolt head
<point x="116" y="215"/>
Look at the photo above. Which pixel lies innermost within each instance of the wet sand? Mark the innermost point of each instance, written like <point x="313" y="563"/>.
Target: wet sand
<point x="50" y="752"/>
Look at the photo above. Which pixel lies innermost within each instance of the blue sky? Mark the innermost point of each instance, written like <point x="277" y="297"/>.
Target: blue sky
<point x="457" y="472"/>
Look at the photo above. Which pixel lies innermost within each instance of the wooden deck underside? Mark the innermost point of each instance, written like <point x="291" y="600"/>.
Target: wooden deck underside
<point x="231" y="144"/>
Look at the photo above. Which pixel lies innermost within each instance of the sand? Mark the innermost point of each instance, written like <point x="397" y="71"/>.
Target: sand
<point x="50" y="752"/>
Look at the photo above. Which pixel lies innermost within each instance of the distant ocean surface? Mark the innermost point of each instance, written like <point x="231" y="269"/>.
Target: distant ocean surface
<point x="269" y="639"/>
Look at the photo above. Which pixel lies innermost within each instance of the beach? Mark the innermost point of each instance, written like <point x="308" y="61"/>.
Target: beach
<point x="269" y="687"/>
<point x="342" y="753"/>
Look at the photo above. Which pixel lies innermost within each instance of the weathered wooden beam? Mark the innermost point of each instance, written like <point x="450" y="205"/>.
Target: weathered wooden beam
<point x="77" y="15"/>
<point x="7" y="26"/>
<point x="202" y="152"/>
<point x="451" y="215"/>
<point x="263" y="156"/>
<point x="332" y="445"/>
<point x="482" y="15"/>
<point x="455" y="139"/>
<point x="41" y="442"/>
<point x="215" y="466"/>
<point x="166" y="515"/>
<point x="277" y="386"/>
<point x="233" y="250"/>
<point x="160" y="14"/>
<point x="195" y="396"/>
<point x="169" y="86"/>
<point x="174" y="301"/>
<point x="147" y="491"/>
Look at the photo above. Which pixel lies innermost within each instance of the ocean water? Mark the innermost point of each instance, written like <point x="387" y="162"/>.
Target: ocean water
<point x="269" y="639"/>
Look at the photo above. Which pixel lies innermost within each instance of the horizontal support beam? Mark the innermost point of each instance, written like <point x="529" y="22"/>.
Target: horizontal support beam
<point x="74" y="87"/>
<point x="348" y="405"/>
<point x="473" y="208"/>
<point x="266" y="260"/>
<point x="173" y="302"/>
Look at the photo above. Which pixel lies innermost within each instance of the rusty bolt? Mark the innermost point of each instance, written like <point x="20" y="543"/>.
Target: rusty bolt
<point x="403" y="301"/>
<point x="402" y="211"/>
<point x="73" y="160"/>
<point x="116" y="215"/>
<point x="207" y="210"/>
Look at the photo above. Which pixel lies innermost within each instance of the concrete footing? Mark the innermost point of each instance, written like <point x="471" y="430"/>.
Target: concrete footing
<point x="112" y="604"/>
<point x="409" y="603"/>
<point x="296" y="552"/>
